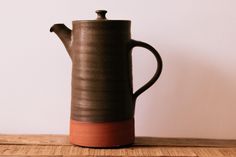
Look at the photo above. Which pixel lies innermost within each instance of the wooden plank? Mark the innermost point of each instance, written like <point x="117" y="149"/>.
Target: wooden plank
<point x="59" y="146"/>
<point x="38" y="150"/>
<point x="207" y="152"/>
<point x="63" y="140"/>
<point x="178" y="151"/>
<point x="69" y="151"/>
<point x="34" y="139"/>
<point x="33" y="150"/>
<point x="229" y="152"/>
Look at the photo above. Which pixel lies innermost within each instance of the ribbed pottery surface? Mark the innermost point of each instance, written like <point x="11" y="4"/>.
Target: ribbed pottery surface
<point x="101" y="75"/>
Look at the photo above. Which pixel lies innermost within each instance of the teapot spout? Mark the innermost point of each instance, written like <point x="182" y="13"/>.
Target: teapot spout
<point x="64" y="33"/>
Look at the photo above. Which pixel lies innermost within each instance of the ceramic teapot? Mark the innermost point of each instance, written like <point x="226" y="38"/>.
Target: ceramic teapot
<point x="103" y="101"/>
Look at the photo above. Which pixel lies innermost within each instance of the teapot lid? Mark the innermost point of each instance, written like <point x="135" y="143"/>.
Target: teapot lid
<point x="101" y="17"/>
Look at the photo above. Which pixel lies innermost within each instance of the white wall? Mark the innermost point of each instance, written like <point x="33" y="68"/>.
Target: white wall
<point x="194" y="97"/>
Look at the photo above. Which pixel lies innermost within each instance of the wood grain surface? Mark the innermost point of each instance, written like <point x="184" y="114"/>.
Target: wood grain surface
<point x="59" y="146"/>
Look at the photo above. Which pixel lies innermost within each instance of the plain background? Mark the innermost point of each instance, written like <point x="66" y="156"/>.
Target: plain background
<point x="194" y="97"/>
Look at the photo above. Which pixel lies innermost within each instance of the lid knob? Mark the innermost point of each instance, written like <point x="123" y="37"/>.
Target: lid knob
<point x="101" y="14"/>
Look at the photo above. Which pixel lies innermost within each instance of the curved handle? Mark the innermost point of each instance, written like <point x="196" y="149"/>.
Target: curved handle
<point x="134" y="43"/>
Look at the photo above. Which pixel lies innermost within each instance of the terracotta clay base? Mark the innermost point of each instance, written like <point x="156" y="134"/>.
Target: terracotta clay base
<point x="106" y="134"/>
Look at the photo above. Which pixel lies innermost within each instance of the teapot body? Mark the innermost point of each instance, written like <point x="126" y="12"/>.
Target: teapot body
<point x="102" y="98"/>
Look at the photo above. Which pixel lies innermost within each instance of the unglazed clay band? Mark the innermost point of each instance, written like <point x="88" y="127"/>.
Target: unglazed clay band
<point x="105" y="134"/>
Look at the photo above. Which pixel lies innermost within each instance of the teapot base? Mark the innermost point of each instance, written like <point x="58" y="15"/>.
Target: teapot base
<point x="102" y="134"/>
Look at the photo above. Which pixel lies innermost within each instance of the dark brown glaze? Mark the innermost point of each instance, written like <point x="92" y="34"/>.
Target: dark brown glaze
<point x="100" y="50"/>
<point x="101" y="80"/>
<point x="64" y="33"/>
<point x="101" y="14"/>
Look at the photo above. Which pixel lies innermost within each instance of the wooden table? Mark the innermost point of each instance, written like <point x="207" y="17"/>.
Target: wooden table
<point x="59" y="146"/>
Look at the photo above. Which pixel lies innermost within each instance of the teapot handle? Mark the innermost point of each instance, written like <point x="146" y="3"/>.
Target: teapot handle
<point x="134" y="43"/>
